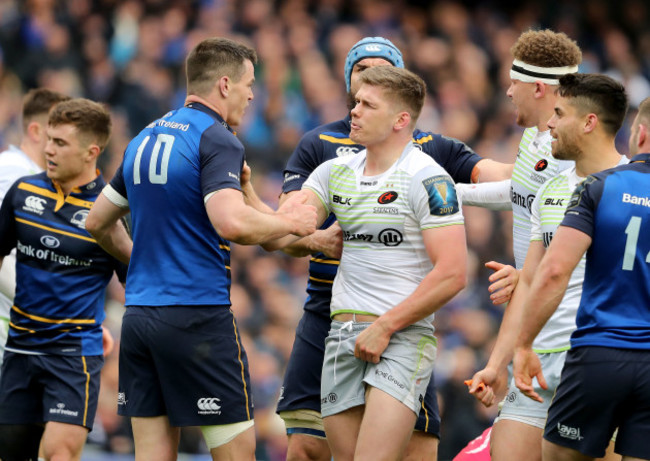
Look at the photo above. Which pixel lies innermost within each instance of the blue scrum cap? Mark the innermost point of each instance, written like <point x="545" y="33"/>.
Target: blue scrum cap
<point x="371" y="47"/>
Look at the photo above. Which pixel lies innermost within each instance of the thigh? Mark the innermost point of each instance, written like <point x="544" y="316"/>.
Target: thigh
<point x="518" y="407"/>
<point x="582" y="416"/>
<point x="70" y="388"/>
<point x="428" y="420"/>
<point x="342" y="384"/>
<point x="21" y="395"/>
<point x="301" y="386"/>
<point x="202" y="367"/>
<point x="514" y="440"/>
<point x="405" y="367"/>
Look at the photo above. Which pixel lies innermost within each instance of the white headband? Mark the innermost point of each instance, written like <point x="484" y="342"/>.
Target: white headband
<point x="531" y="74"/>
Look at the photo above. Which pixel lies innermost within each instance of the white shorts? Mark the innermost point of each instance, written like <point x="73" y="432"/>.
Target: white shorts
<point x="516" y="406"/>
<point x="403" y="371"/>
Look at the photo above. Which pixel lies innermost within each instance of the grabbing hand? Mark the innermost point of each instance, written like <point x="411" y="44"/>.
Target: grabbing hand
<point x="372" y="342"/>
<point x="329" y="241"/>
<point x="526" y="366"/>
<point x="504" y="281"/>
<point x="303" y="217"/>
<point x="245" y="176"/>
<point x="482" y="386"/>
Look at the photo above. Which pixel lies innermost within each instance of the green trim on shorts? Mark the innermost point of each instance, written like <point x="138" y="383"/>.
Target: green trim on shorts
<point x="351" y="311"/>
<point x="551" y="351"/>
<point x="424" y="341"/>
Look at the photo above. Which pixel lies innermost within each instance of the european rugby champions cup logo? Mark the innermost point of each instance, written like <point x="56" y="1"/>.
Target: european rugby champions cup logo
<point x="441" y="187"/>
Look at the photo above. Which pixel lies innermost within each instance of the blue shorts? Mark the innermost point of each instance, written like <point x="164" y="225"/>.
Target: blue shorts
<point x="36" y="389"/>
<point x="600" y="389"/>
<point x="302" y="380"/>
<point x="184" y="362"/>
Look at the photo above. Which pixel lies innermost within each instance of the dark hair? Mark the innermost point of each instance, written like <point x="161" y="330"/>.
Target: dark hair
<point x="92" y="120"/>
<point x="407" y="89"/>
<point x="38" y="102"/>
<point x="214" y="58"/>
<point x="597" y="94"/>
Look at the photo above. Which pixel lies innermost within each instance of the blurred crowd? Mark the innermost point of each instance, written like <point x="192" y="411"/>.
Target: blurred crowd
<point x="129" y="54"/>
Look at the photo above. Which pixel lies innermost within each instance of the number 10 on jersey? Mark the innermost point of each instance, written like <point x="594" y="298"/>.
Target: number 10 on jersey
<point x="156" y="175"/>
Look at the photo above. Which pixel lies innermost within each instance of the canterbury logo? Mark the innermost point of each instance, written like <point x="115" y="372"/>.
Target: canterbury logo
<point x="373" y="48"/>
<point x="208" y="403"/>
<point x="344" y="150"/>
<point x="35" y="203"/>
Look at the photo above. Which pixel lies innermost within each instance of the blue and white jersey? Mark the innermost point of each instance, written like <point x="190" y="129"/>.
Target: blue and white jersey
<point x="169" y="170"/>
<point x="62" y="272"/>
<point x="333" y="140"/>
<point x="613" y="207"/>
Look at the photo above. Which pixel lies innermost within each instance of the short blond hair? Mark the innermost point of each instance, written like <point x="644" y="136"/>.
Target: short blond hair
<point x="403" y="86"/>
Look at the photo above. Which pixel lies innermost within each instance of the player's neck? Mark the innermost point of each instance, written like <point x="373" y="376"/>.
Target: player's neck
<point x="78" y="181"/>
<point x="33" y="152"/>
<point x="598" y="158"/>
<point x="380" y="157"/>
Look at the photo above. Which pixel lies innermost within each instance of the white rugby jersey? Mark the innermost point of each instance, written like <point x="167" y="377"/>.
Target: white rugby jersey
<point x="533" y="167"/>
<point x="14" y="164"/>
<point x="382" y="217"/>
<point x="546" y="215"/>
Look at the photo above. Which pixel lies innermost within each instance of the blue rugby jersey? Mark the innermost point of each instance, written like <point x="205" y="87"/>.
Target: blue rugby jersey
<point x="333" y="140"/>
<point x="61" y="271"/>
<point x="168" y="169"/>
<point x="613" y="207"/>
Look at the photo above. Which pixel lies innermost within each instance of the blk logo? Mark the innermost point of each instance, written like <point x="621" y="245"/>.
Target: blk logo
<point x="387" y="197"/>
<point x="341" y="200"/>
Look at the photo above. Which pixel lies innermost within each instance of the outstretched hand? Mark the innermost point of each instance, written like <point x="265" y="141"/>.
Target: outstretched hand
<point x="526" y="366"/>
<point x="504" y="281"/>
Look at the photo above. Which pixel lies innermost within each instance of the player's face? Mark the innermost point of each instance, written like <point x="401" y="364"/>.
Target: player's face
<point x="66" y="156"/>
<point x="373" y="116"/>
<point x="240" y="94"/>
<point x="565" y="125"/>
<point x="354" y="76"/>
<point x="522" y="96"/>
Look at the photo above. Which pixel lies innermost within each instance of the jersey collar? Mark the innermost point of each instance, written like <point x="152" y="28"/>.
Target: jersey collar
<point x="641" y="158"/>
<point x="206" y="110"/>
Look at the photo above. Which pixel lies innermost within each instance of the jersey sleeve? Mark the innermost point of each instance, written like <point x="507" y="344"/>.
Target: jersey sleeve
<point x="434" y="200"/>
<point x="221" y="159"/>
<point x="580" y="214"/>
<point x="536" y="217"/>
<point x="7" y="223"/>
<point x="318" y="182"/>
<point x="303" y="161"/>
<point x="456" y="157"/>
<point x="115" y="191"/>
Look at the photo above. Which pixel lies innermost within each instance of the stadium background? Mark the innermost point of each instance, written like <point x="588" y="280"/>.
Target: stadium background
<point x="129" y="54"/>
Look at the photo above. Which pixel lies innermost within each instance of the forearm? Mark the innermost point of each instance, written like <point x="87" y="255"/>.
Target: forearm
<point x="543" y="298"/>
<point x="115" y="241"/>
<point x="510" y="327"/>
<point x="253" y="200"/>
<point x="491" y="170"/>
<point x="491" y="195"/>
<point x="435" y="290"/>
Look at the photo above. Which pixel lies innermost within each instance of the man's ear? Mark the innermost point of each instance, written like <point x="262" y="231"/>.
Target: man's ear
<point x="34" y="131"/>
<point x="224" y="86"/>
<point x="540" y="89"/>
<point x="93" y="152"/>
<point x="403" y="121"/>
<point x="591" y="122"/>
<point x="643" y="136"/>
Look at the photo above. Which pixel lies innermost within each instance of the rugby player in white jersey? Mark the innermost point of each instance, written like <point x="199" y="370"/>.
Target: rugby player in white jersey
<point x="403" y="258"/>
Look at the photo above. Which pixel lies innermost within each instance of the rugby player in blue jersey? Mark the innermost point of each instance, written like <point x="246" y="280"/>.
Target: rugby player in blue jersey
<point x="605" y="379"/>
<point x="299" y="402"/>
<point x="54" y="350"/>
<point x="181" y="358"/>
